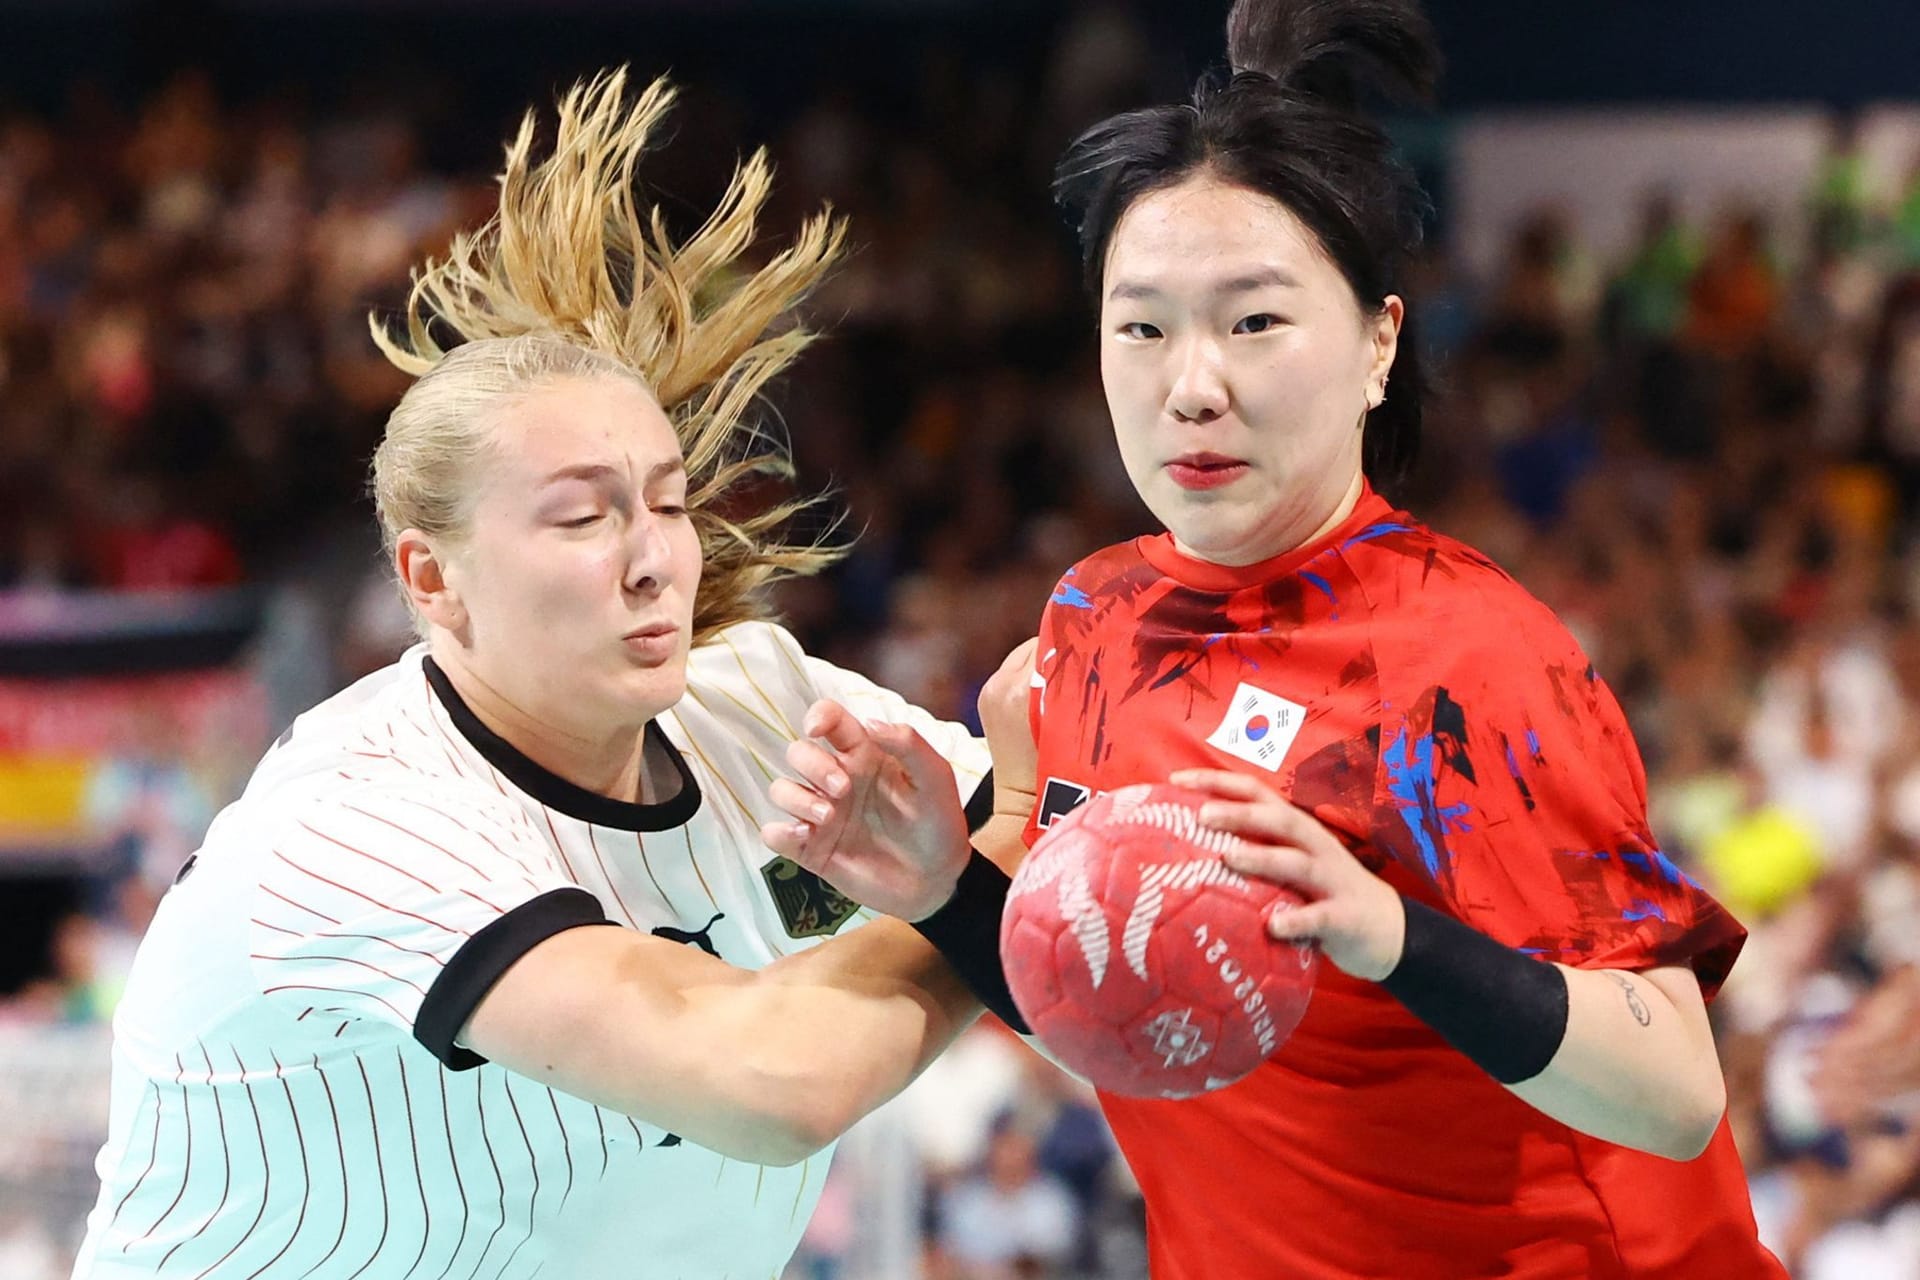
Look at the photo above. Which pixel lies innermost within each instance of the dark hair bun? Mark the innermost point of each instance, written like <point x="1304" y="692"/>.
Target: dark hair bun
<point x="1335" y="50"/>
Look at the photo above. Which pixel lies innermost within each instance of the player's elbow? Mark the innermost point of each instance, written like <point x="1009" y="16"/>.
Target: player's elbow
<point x="1692" y="1118"/>
<point x="789" y="1109"/>
<point x="766" y="1129"/>
<point x="799" y="1125"/>
<point x="778" y="1144"/>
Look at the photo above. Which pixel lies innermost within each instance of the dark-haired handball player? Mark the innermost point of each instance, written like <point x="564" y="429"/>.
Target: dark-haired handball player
<point x="488" y="974"/>
<point x="1507" y="1069"/>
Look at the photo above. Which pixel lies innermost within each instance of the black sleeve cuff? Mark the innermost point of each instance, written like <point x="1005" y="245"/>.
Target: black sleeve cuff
<point x="966" y="933"/>
<point x="980" y="804"/>
<point x="1503" y="1009"/>
<point x="457" y="992"/>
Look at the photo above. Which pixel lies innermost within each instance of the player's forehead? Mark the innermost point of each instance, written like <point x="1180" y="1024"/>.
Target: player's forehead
<point x="581" y="428"/>
<point x="1207" y="236"/>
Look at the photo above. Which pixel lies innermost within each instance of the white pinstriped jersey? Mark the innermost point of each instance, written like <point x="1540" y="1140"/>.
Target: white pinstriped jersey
<point x="276" y="1108"/>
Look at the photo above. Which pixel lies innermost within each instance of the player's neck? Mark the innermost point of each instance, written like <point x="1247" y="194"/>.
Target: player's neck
<point x="1341" y="510"/>
<point x="1291" y="539"/>
<point x="622" y="763"/>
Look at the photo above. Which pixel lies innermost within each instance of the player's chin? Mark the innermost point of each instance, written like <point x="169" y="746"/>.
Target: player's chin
<point x="1218" y="530"/>
<point x="651" y="688"/>
<point x="1189" y="515"/>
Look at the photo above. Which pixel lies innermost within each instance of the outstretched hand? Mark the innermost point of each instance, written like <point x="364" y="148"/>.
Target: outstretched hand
<point x="1357" y="918"/>
<point x="875" y="813"/>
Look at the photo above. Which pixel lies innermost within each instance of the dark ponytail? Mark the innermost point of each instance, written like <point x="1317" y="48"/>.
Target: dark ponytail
<point x="1332" y="50"/>
<point x="1286" y="121"/>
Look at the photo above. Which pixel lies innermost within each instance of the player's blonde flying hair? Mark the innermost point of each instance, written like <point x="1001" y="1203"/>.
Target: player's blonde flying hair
<point x="571" y="277"/>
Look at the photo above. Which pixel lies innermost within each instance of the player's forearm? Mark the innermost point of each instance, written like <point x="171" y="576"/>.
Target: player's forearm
<point x="766" y="1066"/>
<point x="1634" y="1068"/>
<point x="1624" y="1057"/>
<point x="847" y="1025"/>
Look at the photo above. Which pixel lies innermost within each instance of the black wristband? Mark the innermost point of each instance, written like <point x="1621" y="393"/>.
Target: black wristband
<point x="1504" y="1010"/>
<point x="980" y="803"/>
<point x="966" y="933"/>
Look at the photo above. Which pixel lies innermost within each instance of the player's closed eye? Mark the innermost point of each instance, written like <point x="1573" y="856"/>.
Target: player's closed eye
<point x="581" y="522"/>
<point x="671" y="510"/>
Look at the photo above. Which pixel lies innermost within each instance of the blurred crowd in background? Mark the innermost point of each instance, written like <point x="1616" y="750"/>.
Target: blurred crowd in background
<point x="1705" y="456"/>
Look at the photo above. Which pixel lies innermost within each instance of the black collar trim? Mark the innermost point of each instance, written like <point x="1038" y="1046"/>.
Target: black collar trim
<point x="555" y="791"/>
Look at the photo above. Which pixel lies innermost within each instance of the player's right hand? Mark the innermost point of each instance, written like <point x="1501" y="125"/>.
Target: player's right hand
<point x="875" y="813"/>
<point x="1358" y="919"/>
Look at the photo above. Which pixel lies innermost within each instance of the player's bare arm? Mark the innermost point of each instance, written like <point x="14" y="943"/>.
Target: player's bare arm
<point x="1636" y="1063"/>
<point x="772" y="1065"/>
<point x="768" y="1066"/>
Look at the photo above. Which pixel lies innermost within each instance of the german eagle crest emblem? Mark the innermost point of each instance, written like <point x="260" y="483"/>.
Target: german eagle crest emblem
<point x="809" y="906"/>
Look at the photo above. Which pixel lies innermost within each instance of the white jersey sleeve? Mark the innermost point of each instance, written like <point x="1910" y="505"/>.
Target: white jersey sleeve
<point x="404" y="905"/>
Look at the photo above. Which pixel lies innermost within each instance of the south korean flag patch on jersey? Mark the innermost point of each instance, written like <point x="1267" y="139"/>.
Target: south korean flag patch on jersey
<point x="1259" y="727"/>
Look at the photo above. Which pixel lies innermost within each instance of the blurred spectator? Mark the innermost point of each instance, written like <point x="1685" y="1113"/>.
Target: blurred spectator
<point x="1734" y="292"/>
<point x="147" y="804"/>
<point x="1841" y="207"/>
<point x="829" y="1236"/>
<point x="28" y="1250"/>
<point x="88" y="961"/>
<point x="1648" y="297"/>
<point x="1010" y="1220"/>
<point x="1906" y="220"/>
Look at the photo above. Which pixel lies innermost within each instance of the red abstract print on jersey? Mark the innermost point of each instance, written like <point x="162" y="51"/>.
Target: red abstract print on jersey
<point x="1417" y="701"/>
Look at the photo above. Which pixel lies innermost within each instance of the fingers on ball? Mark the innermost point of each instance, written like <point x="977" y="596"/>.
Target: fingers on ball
<point x="1231" y="786"/>
<point x="1289" y="922"/>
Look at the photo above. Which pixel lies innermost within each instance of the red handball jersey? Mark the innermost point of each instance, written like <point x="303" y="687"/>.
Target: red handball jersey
<point x="1416" y="700"/>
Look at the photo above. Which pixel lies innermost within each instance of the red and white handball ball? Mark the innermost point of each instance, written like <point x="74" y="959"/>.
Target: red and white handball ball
<point x="1139" y="959"/>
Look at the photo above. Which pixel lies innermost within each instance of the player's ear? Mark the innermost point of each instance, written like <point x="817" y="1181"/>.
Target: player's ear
<point x="423" y="569"/>
<point x="1384" y="331"/>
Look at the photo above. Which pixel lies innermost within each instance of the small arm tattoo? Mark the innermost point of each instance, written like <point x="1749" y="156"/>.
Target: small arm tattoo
<point x="1637" y="1006"/>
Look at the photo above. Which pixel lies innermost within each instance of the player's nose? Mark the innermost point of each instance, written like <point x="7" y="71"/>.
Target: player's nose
<point x="649" y="555"/>
<point x="1198" y="392"/>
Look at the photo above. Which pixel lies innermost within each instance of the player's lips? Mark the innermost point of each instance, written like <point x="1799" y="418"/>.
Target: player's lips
<point x="656" y="640"/>
<point x="1205" y="470"/>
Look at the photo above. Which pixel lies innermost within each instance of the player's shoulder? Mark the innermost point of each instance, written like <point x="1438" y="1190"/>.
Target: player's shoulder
<point x="757" y="643"/>
<point x="385" y="728"/>
<point x="751" y="675"/>
<point x="1101" y="571"/>
<point x="1105" y="589"/>
<point x="1432" y="596"/>
<point x="756" y="654"/>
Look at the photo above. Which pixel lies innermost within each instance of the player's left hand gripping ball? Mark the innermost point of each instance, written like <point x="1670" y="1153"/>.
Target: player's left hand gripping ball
<point x="1140" y="959"/>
